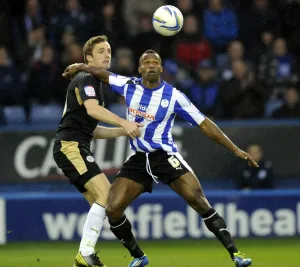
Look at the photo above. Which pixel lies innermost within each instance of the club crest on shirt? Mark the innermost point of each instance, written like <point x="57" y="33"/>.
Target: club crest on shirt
<point x="164" y="103"/>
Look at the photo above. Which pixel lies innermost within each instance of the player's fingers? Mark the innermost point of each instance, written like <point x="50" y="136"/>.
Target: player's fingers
<point x="132" y="136"/>
<point x="253" y="162"/>
<point x="137" y="132"/>
<point x="140" y="125"/>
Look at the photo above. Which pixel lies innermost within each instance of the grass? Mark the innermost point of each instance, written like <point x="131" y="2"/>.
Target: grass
<point x="184" y="253"/>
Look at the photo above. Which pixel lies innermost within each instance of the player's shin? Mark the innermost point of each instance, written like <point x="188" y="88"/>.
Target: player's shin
<point x="216" y="224"/>
<point x="91" y="229"/>
<point x="122" y="230"/>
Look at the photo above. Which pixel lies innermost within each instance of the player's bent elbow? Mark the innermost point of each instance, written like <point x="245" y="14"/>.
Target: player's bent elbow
<point x="91" y="112"/>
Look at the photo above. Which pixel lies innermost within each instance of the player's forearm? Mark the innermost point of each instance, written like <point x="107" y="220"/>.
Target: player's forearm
<point x="212" y="131"/>
<point x="100" y="74"/>
<point x="102" y="114"/>
<point x="108" y="133"/>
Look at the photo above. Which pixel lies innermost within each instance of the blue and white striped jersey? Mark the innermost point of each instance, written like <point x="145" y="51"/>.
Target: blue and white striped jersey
<point x="156" y="109"/>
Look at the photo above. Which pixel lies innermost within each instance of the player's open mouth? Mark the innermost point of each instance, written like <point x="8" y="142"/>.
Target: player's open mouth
<point x="106" y="61"/>
<point x="152" y="72"/>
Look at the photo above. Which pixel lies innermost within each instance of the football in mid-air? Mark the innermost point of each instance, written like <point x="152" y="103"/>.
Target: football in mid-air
<point x="167" y="20"/>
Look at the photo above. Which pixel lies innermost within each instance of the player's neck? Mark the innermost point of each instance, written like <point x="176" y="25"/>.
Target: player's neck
<point x="150" y="85"/>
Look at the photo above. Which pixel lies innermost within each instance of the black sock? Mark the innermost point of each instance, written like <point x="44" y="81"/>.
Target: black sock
<point x="122" y="230"/>
<point x="216" y="224"/>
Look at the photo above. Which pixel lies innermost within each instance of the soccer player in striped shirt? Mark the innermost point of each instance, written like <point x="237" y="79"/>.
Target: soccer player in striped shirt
<point x="155" y="157"/>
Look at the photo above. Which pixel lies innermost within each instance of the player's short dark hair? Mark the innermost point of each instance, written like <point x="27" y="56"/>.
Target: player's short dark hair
<point x="89" y="45"/>
<point x="149" y="51"/>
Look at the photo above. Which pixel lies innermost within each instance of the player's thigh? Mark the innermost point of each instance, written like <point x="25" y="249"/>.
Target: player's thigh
<point x="78" y="164"/>
<point x="189" y="188"/>
<point x="98" y="186"/>
<point x="122" y="193"/>
<point x="89" y="197"/>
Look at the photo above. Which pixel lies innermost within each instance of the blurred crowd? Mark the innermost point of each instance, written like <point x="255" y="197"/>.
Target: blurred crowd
<point x="234" y="59"/>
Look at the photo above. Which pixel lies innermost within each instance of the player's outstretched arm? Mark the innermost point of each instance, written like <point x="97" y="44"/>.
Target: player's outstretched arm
<point x="102" y="114"/>
<point x="212" y="131"/>
<point x="102" y="132"/>
<point x="100" y="74"/>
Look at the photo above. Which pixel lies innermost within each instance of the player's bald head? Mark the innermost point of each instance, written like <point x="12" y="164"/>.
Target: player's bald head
<point x="149" y="54"/>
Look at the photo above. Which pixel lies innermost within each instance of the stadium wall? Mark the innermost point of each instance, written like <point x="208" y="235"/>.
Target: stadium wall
<point x="160" y="215"/>
<point x="26" y="156"/>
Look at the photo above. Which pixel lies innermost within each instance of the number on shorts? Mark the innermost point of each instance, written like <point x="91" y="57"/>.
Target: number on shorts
<point x="175" y="163"/>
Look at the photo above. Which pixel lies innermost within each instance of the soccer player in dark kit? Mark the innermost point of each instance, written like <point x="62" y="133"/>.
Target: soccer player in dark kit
<point x="83" y="110"/>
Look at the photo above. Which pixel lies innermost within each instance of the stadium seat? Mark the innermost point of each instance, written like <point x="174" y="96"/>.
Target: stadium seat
<point x="46" y="114"/>
<point x="14" y="114"/>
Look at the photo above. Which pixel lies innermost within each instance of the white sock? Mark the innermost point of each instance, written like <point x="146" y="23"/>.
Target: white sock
<point x="91" y="229"/>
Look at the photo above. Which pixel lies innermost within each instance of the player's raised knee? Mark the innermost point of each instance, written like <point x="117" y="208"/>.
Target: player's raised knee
<point x="113" y="212"/>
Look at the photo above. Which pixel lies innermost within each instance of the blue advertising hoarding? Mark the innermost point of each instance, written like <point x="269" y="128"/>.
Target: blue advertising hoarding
<point x="161" y="215"/>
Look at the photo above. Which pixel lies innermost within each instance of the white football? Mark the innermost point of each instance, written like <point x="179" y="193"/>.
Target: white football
<point x="167" y="20"/>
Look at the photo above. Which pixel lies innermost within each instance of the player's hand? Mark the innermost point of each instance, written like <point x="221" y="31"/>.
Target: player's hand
<point x="72" y="70"/>
<point x="132" y="129"/>
<point x="245" y="156"/>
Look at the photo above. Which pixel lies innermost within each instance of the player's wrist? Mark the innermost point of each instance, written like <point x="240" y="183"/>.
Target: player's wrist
<point x="82" y="67"/>
<point x="121" y="122"/>
<point x="122" y="132"/>
<point x="235" y="149"/>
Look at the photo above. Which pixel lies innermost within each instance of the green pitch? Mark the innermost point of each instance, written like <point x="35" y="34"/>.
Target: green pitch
<point x="209" y="253"/>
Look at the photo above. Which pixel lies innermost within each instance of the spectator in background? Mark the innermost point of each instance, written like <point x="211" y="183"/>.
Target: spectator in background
<point x="123" y="64"/>
<point x="68" y="38"/>
<point x="6" y="36"/>
<point x="44" y="81"/>
<point x="242" y="97"/>
<point x="190" y="46"/>
<point x="146" y="37"/>
<point x="278" y="68"/>
<point x="255" y="178"/>
<point x="291" y="22"/>
<point x="235" y="52"/>
<point x="31" y="51"/>
<point x="186" y="7"/>
<point x="258" y="21"/>
<point x="262" y="47"/>
<point x="291" y="106"/>
<point x="73" y="54"/>
<point x="133" y="9"/>
<point x="11" y="88"/>
<point x="110" y="24"/>
<point x="220" y="25"/>
<point x="74" y="19"/>
<point x="204" y="92"/>
<point x="170" y="71"/>
<point x="23" y="26"/>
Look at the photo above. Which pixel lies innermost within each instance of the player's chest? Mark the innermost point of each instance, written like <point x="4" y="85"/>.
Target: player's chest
<point x="152" y="108"/>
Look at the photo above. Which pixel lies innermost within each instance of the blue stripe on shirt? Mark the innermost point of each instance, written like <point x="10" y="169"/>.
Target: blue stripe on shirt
<point x="159" y="117"/>
<point x="145" y="100"/>
<point x="129" y="94"/>
<point x="164" y="136"/>
<point x="185" y="115"/>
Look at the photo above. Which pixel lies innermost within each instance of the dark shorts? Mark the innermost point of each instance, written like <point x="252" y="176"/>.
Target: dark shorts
<point x="76" y="161"/>
<point x="166" y="167"/>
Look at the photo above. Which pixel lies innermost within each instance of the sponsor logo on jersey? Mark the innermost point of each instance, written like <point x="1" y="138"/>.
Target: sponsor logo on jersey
<point x="138" y="113"/>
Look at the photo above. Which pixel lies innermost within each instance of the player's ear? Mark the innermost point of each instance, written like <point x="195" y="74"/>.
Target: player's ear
<point x="161" y="69"/>
<point x="89" y="58"/>
<point x="139" y="70"/>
